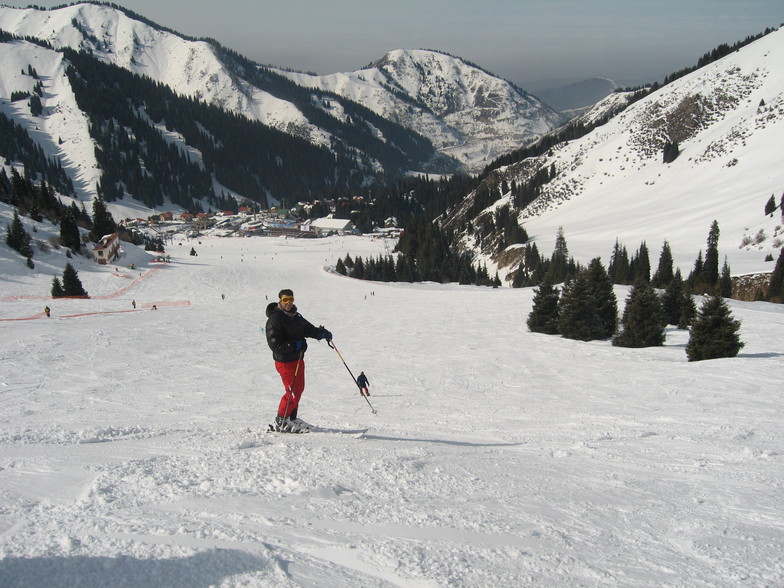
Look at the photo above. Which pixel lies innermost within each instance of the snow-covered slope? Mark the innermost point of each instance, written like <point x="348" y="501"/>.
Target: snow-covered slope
<point x="64" y="132"/>
<point x="467" y="113"/>
<point x="132" y="449"/>
<point x="728" y="120"/>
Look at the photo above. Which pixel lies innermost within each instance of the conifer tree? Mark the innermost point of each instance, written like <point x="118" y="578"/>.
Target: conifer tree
<point x="72" y="285"/>
<point x="714" y="333"/>
<point x="17" y="238"/>
<point x="604" y="297"/>
<point x="641" y="264"/>
<point x="69" y="230"/>
<point x="770" y="205"/>
<point x="544" y="314"/>
<point x="103" y="223"/>
<point x="559" y="262"/>
<point x="664" y="272"/>
<point x="57" y="288"/>
<point x="724" y="285"/>
<point x="619" y="269"/>
<point x="643" y="321"/>
<point x="776" y="284"/>
<point x="677" y="303"/>
<point x="710" y="269"/>
<point x="693" y="281"/>
<point x="578" y="316"/>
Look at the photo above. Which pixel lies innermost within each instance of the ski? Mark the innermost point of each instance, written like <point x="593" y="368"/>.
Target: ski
<point x="315" y="429"/>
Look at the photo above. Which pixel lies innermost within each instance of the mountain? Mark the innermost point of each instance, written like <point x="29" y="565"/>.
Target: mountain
<point x="578" y="95"/>
<point x="467" y="112"/>
<point x="727" y="120"/>
<point x="210" y="114"/>
<point x="456" y="117"/>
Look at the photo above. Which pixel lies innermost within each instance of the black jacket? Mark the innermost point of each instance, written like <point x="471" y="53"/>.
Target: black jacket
<point x="283" y="331"/>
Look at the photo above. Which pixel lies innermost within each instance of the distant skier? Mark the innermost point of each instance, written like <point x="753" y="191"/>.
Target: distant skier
<point x="363" y="384"/>
<point x="48" y="311"/>
<point x="286" y="331"/>
<point x="133" y="303"/>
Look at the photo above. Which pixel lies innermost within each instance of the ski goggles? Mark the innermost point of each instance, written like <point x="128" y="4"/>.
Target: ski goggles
<point x="286" y="299"/>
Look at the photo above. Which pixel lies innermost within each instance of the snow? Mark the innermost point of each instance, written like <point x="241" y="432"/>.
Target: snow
<point x="133" y="452"/>
<point x="611" y="185"/>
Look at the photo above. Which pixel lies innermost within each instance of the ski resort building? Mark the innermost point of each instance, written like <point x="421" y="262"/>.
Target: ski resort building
<point x="108" y="248"/>
<point x="327" y="225"/>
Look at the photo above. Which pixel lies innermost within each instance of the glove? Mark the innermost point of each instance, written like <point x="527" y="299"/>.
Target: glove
<point x="325" y="334"/>
<point x="298" y="344"/>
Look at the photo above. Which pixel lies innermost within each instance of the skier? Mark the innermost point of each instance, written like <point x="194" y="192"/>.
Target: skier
<point x="363" y="384"/>
<point x="286" y="331"/>
<point x="48" y="311"/>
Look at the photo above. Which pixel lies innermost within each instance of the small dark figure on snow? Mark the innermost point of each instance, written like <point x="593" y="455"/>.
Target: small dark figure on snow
<point x="363" y="384"/>
<point x="286" y="331"/>
<point x="48" y="311"/>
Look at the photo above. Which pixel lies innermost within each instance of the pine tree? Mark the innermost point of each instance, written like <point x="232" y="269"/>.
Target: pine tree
<point x="103" y="223"/>
<point x="770" y="205"/>
<point x="559" y="262"/>
<point x="72" y="285"/>
<point x="664" y="272"/>
<point x="604" y="297"/>
<point x="724" y="285"/>
<point x="619" y="269"/>
<point x="710" y="269"/>
<point x="776" y="284"/>
<point x="677" y="303"/>
<point x="578" y="316"/>
<point x="69" y="230"/>
<point x="641" y="265"/>
<point x="57" y="288"/>
<point x="544" y="314"/>
<point x="17" y="238"/>
<point x="643" y="321"/>
<point x="714" y="333"/>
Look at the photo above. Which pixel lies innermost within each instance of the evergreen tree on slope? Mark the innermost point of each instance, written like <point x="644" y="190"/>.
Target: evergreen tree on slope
<point x="776" y="285"/>
<point x="714" y="333"/>
<point x="72" y="285"/>
<point x="544" y="315"/>
<point x="604" y="297"/>
<point x="643" y="319"/>
<point x="578" y="315"/>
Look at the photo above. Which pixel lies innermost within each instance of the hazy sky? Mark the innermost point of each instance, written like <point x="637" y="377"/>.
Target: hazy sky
<point x="521" y="40"/>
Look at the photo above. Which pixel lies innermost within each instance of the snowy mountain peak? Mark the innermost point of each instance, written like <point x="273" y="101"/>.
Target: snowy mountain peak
<point x="467" y="112"/>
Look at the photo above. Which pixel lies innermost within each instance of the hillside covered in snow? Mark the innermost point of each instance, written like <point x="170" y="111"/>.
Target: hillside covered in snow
<point x="727" y="121"/>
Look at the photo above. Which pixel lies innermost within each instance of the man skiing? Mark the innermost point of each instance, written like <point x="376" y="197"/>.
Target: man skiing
<point x="286" y="331"/>
<point x="363" y="384"/>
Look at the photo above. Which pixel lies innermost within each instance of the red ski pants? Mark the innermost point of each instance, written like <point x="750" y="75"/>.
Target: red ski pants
<point x="292" y="373"/>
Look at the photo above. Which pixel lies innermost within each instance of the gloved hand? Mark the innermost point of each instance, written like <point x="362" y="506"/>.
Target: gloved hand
<point x="325" y="334"/>
<point x="298" y="344"/>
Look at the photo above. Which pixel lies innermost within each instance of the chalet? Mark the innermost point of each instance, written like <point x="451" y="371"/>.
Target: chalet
<point x="327" y="225"/>
<point x="107" y="249"/>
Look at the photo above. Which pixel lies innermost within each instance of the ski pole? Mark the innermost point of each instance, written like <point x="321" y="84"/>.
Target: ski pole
<point x="331" y="344"/>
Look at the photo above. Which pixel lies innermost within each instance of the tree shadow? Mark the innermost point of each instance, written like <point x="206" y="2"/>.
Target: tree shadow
<point x="204" y="569"/>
